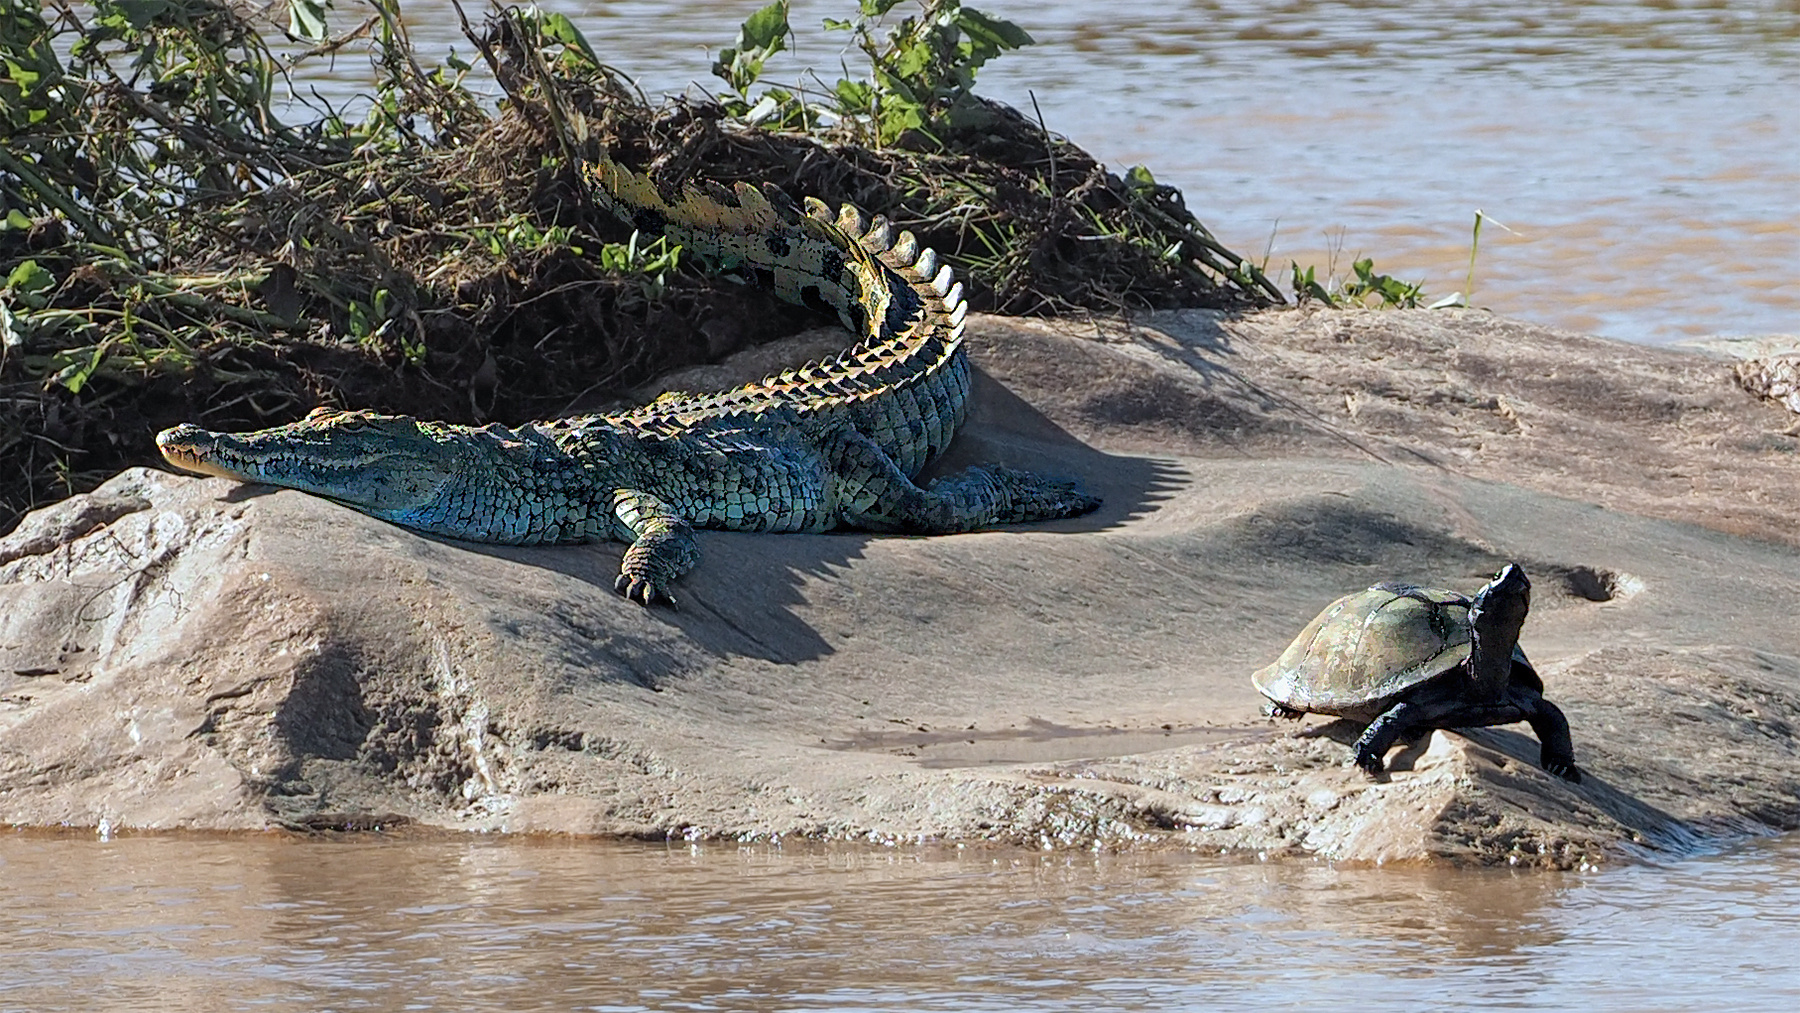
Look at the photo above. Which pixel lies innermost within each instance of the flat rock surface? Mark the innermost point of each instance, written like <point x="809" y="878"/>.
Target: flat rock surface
<point x="191" y="653"/>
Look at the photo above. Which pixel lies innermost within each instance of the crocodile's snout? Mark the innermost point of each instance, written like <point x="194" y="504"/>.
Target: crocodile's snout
<point x="188" y="447"/>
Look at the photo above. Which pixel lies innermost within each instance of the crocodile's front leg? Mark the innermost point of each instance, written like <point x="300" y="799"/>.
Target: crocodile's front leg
<point x="874" y="494"/>
<point x="662" y="547"/>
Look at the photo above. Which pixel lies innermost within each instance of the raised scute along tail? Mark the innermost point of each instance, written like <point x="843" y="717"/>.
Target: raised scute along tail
<point x="905" y="308"/>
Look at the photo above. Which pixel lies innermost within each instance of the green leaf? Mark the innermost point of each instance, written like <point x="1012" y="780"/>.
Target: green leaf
<point x="359" y="320"/>
<point x="22" y="76"/>
<point x="561" y="29"/>
<point x="854" y="97"/>
<point x="75" y="375"/>
<point x="29" y="278"/>
<point x="766" y="29"/>
<point x="761" y="36"/>
<point x="16" y="219"/>
<point x="306" y="19"/>
<point x="876" y="8"/>
<point x="724" y="66"/>
<point x="998" y="33"/>
<point x="12" y="329"/>
<point x="140" y="13"/>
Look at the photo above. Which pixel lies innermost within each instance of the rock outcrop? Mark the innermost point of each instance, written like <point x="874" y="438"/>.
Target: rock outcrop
<point x="187" y="653"/>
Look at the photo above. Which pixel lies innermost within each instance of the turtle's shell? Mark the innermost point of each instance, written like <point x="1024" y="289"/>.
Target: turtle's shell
<point x="1367" y="649"/>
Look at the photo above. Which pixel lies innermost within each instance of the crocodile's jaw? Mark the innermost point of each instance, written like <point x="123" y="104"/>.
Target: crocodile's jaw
<point x="387" y="466"/>
<point x="191" y="448"/>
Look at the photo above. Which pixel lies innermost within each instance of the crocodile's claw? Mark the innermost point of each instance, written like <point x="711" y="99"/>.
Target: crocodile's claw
<point x="643" y="590"/>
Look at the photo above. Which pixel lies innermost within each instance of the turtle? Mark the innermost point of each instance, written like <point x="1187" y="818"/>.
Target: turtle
<point x="1407" y="659"/>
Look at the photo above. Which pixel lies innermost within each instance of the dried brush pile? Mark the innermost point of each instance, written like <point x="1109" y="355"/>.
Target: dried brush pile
<point x="173" y="249"/>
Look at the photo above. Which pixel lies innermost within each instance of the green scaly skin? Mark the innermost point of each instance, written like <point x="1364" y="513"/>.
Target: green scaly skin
<point x="833" y="443"/>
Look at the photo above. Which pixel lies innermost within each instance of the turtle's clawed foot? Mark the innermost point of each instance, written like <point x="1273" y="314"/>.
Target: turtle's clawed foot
<point x="1371" y="765"/>
<point x="643" y="590"/>
<point x="1564" y="769"/>
<point x="1271" y="709"/>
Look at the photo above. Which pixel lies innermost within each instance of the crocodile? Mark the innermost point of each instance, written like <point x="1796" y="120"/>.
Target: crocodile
<point x="834" y="443"/>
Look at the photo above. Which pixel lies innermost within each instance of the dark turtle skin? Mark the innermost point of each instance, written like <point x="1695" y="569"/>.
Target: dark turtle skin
<point x="1408" y="659"/>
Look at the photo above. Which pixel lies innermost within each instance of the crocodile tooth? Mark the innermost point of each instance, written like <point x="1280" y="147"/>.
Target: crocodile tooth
<point x="850" y="219"/>
<point x="816" y="208"/>
<point x="954" y="297"/>
<point x="905" y="248"/>
<point x="926" y="265"/>
<point x="944" y="278"/>
<point x="957" y="314"/>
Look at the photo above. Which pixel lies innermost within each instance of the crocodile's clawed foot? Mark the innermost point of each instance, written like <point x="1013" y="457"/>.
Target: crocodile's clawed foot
<point x="644" y="591"/>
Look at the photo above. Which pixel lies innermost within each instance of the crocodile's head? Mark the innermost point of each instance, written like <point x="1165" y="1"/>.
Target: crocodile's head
<point x="386" y="465"/>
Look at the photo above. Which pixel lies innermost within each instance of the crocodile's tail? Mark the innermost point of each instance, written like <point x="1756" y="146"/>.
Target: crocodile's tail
<point x="905" y="308"/>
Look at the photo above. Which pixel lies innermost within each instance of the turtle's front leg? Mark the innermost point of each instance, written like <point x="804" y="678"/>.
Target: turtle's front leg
<point x="1382" y="733"/>
<point x="1558" y="753"/>
<point x="662" y="547"/>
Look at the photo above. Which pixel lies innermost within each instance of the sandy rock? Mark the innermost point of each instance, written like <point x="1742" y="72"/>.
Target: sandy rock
<point x="178" y="652"/>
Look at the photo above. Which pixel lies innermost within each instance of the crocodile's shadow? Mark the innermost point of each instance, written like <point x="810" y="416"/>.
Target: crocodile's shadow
<point x="743" y="598"/>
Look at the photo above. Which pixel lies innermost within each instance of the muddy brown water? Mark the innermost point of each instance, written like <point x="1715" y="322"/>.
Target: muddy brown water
<point x="284" y="924"/>
<point x="1645" y="156"/>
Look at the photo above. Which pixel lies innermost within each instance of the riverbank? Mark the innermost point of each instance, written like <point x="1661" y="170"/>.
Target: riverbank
<point x="185" y="653"/>
<point x="440" y="257"/>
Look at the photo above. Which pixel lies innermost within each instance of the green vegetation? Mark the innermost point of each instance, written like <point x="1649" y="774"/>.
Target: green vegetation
<point x="922" y="73"/>
<point x="187" y="235"/>
<point x="1363" y="288"/>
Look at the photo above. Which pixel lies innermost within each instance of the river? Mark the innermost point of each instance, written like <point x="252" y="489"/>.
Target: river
<point x="281" y="924"/>
<point x="1638" y="162"/>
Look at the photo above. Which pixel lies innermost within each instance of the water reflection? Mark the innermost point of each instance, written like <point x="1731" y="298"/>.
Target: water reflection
<point x="283" y="924"/>
<point x="1642" y="153"/>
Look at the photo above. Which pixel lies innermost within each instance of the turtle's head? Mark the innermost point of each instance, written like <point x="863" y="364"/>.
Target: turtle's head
<point x="1503" y="601"/>
<point x="386" y="465"/>
<point x="1496" y="615"/>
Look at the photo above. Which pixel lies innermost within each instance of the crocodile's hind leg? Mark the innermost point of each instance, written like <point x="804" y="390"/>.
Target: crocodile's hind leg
<point x="662" y="547"/>
<point x="874" y="494"/>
